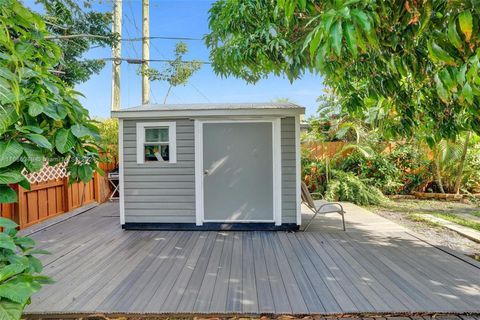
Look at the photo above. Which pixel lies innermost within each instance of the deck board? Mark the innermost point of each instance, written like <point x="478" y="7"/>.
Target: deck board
<point x="373" y="267"/>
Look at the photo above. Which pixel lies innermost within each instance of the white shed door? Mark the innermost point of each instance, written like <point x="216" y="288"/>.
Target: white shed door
<point x="238" y="172"/>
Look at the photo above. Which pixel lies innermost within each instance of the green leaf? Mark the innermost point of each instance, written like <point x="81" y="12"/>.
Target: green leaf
<point x="442" y="92"/>
<point x="35" y="264"/>
<point x="85" y="173"/>
<point x="39" y="140"/>
<point x="7" y="223"/>
<point x="447" y="79"/>
<point x="32" y="158"/>
<point x="10" y="151"/>
<point x="351" y="37"/>
<point x="453" y="36"/>
<point x="6" y="242"/>
<point x="439" y="54"/>
<point x="466" y="24"/>
<point x="64" y="140"/>
<point x="33" y="129"/>
<point x="80" y="131"/>
<point x="11" y="310"/>
<point x="34" y="109"/>
<point x="43" y="279"/>
<point x="460" y="75"/>
<point x="362" y="19"/>
<point x="19" y="289"/>
<point x="37" y="251"/>
<point x="55" y="111"/>
<point x="25" y="242"/>
<point x="10" y="177"/>
<point x="467" y="93"/>
<point x="8" y="116"/>
<point x="10" y="271"/>
<point x="315" y="41"/>
<point x="7" y="194"/>
<point x="336" y="35"/>
<point x="24" y="184"/>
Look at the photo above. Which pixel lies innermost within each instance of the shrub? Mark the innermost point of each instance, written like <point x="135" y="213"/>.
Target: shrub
<point x="345" y="186"/>
<point x="414" y="165"/>
<point x="314" y="174"/>
<point x="19" y="271"/>
<point x="378" y="169"/>
<point x="472" y="170"/>
<point x="109" y="136"/>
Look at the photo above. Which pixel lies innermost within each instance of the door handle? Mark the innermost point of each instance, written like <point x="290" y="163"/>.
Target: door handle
<point x="205" y="172"/>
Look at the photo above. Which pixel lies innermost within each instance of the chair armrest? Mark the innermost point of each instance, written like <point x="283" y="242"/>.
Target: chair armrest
<point x="318" y="193"/>
<point x="335" y="204"/>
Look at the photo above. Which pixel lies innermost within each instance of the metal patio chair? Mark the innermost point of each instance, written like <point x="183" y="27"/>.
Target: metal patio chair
<point x="320" y="206"/>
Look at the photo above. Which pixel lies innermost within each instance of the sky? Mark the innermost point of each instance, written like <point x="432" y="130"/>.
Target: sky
<point x="181" y="18"/>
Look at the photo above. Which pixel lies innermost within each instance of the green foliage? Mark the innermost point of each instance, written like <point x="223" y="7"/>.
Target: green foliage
<point x="345" y="186"/>
<point x="447" y="158"/>
<point x="414" y="66"/>
<point x="109" y="136"/>
<point x="68" y="17"/>
<point x="177" y="72"/>
<point x="39" y="114"/>
<point x="415" y="168"/>
<point x="19" y="271"/>
<point x="337" y="185"/>
<point x="378" y="170"/>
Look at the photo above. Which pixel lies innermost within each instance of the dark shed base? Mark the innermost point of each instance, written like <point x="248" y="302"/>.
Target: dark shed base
<point x="211" y="226"/>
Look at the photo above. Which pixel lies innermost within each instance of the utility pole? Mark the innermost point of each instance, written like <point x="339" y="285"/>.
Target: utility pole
<point x="116" y="54"/>
<point x="145" y="50"/>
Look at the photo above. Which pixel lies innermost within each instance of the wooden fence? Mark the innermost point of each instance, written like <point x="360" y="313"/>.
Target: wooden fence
<point x="49" y="198"/>
<point x="322" y="150"/>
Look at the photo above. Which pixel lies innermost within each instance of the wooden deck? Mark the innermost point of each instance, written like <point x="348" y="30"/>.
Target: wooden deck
<point x="376" y="266"/>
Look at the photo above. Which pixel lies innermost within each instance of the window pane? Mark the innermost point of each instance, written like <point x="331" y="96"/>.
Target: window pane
<point x="157" y="153"/>
<point x="156" y="134"/>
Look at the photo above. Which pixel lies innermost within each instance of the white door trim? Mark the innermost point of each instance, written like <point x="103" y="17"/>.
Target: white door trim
<point x="277" y="168"/>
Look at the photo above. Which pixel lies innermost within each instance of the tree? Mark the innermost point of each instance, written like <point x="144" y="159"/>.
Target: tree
<point x="40" y="116"/>
<point x="177" y="72"/>
<point x="75" y="27"/>
<point x="415" y="64"/>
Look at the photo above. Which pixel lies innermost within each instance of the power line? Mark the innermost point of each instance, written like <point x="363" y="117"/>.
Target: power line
<point x="162" y="38"/>
<point x="200" y="92"/>
<point x="140" y="61"/>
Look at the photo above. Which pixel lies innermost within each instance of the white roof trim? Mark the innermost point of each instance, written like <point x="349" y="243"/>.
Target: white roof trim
<point x="172" y="113"/>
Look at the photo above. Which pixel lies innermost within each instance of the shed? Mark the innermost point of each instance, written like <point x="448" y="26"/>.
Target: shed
<point x="231" y="166"/>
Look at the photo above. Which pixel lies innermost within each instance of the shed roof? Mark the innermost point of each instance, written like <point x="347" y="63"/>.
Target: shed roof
<point x="209" y="109"/>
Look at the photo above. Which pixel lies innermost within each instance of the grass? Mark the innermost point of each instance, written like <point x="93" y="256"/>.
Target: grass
<point x="414" y="209"/>
<point x="417" y="217"/>
<point x="475" y="213"/>
<point x="458" y="220"/>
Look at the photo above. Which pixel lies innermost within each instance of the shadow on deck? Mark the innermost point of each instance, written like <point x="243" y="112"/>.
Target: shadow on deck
<point x="374" y="267"/>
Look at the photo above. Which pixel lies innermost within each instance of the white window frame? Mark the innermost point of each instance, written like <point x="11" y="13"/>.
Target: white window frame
<point x="172" y="141"/>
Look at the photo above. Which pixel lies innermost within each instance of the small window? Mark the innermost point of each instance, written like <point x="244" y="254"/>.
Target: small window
<point x="156" y="142"/>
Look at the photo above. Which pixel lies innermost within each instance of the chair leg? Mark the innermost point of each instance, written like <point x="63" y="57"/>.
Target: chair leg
<point x="310" y="222"/>
<point x="343" y="221"/>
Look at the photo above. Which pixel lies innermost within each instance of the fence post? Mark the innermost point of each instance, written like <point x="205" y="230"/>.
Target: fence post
<point x="97" y="188"/>
<point x="66" y="195"/>
<point x="20" y="208"/>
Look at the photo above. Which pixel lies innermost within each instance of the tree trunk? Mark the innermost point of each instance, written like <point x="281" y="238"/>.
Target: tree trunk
<point x="166" y="96"/>
<point x="461" y="166"/>
<point x="438" y="175"/>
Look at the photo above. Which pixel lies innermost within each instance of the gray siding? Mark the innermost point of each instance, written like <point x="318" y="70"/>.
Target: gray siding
<point x="166" y="192"/>
<point x="160" y="192"/>
<point x="289" y="203"/>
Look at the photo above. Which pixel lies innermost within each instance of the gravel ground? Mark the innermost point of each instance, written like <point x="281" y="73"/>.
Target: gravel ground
<point x="408" y="212"/>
